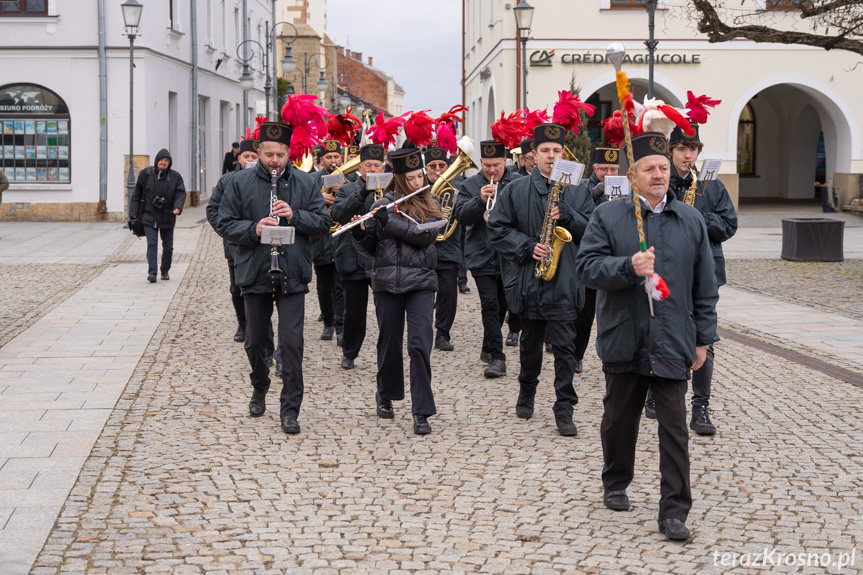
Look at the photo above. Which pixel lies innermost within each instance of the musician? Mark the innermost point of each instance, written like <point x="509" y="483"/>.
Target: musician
<point x="329" y="283"/>
<point x="481" y="258"/>
<point x="527" y="160"/>
<point x="639" y="349"/>
<point x="605" y="163"/>
<point x="403" y="282"/>
<point x="449" y="256"/>
<point x="242" y="214"/>
<point x="355" y="269"/>
<point x="712" y="200"/>
<point x="353" y="152"/>
<point x="547" y="308"/>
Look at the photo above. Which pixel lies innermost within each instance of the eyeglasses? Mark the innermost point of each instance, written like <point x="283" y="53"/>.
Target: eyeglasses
<point x="606" y="170"/>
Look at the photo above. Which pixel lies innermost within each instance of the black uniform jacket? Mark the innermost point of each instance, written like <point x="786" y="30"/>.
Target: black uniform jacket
<point x="246" y="202"/>
<point x="515" y="227"/>
<point x="627" y="337"/>
<point x="480" y="256"/>
<point x="153" y="183"/>
<point x="213" y="211"/>
<point x="404" y="261"/>
<point x="352" y="200"/>
<point x="715" y="205"/>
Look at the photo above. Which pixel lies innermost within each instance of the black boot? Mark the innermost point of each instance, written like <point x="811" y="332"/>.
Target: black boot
<point x="650" y="408"/>
<point x="701" y="423"/>
<point x="443" y="344"/>
<point x="496" y="369"/>
<point x="240" y="335"/>
<point x="328" y="332"/>
<point x="512" y="339"/>
<point x="524" y="403"/>
<point x="258" y="403"/>
<point x="421" y="425"/>
<point x="385" y="407"/>
<point x="565" y="426"/>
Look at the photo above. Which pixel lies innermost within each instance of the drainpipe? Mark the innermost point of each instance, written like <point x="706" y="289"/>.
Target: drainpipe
<point x="463" y="77"/>
<point x="194" y="193"/>
<point x="103" y="114"/>
<point x="245" y="116"/>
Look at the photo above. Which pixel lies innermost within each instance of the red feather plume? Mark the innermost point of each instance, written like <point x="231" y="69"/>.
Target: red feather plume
<point x="256" y="133"/>
<point x="418" y="128"/>
<point x="307" y="122"/>
<point x="534" y="119"/>
<point x="509" y="130"/>
<point x="342" y="127"/>
<point x="445" y="127"/>
<point x="384" y="132"/>
<point x="567" y="111"/>
<point x="698" y="105"/>
<point x="613" y="129"/>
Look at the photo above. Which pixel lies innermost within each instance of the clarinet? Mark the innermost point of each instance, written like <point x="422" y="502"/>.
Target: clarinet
<point x="275" y="270"/>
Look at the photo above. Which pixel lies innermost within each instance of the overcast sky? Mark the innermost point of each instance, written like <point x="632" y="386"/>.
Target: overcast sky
<point x="416" y="42"/>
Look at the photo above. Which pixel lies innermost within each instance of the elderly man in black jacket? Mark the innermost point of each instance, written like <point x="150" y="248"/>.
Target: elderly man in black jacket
<point x="640" y="346"/>
<point x="547" y="308"/>
<point x="243" y="212"/>
<point x="161" y="192"/>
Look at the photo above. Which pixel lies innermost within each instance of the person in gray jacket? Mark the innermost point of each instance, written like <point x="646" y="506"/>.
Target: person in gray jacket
<point x="642" y="346"/>
<point x="243" y="212"/>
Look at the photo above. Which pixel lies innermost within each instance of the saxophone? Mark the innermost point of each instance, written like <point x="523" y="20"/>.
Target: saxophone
<point x="689" y="196"/>
<point x="552" y="236"/>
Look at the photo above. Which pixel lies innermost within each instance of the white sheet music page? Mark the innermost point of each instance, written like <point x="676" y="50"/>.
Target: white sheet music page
<point x="616" y="187"/>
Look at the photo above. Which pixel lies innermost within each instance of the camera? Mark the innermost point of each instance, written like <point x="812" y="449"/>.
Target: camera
<point x="159" y="202"/>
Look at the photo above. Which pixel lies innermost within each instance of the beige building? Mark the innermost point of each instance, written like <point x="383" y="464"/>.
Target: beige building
<point x="790" y="115"/>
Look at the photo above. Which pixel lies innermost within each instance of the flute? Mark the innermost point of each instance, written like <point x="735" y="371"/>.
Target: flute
<point x="370" y="215"/>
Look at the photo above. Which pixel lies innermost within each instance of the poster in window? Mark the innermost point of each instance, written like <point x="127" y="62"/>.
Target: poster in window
<point x="8" y="127"/>
<point x="31" y="174"/>
<point x="31" y="152"/>
<point x="20" y="174"/>
<point x="52" y="174"/>
<point x="51" y="127"/>
<point x="19" y="152"/>
<point x="63" y="152"/>
<point x="9" y="153"/>
<point x="30" y="128"/>
<point x="41" y="152"/>
<point x="52" y="152"/>
<point x="41" y="174"/>
<point x="19" y="126"/>
<point x="40" y="127"/>
<point x="64" y="174"/>
<point x="62" y="126"/>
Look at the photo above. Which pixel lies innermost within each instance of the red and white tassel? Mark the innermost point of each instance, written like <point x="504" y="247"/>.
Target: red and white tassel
<point x="656" y="287"/>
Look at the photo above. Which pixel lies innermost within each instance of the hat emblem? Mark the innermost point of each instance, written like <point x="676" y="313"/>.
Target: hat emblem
<point x="331" y="145"/>
<point x="658" y="145"/>
<point x="488" y="150"/>
<point x="412" y="161"/>
<point x="274" y="132"/>
<point x="255" y="145"/>
<point x="552" y="132"/>
<point x="437" y="154"/>
<point x="375" y="152"/>
<point x="611" y="156"/>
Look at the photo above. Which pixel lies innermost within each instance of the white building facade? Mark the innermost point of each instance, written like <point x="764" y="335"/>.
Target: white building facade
<point x="790" y="115"/>
<point x="50" y="120"/>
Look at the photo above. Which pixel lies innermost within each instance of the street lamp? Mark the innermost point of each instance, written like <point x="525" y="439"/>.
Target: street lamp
<point x="131" y="18"/>
<point x="523" y="18"/>
<point x="318" y="61"/>
<point x="247" y="82"/>
<point x="651" y="44"/>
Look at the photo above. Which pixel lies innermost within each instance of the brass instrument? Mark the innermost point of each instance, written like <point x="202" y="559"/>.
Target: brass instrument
<point x="447" y="194"/>
<point x="305" y="165"/>
<point x="489" y="203"/>
<point x="568" y="155"/>
<point x="274" y="248"/>
<point x="689" y="196"/>
<point x="378" y="193"/>
<point x="344" y="170"/>
<point x="554" y="237"/>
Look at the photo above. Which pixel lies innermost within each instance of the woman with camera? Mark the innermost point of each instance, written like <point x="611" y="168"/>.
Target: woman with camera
<point x="158" y="199"/>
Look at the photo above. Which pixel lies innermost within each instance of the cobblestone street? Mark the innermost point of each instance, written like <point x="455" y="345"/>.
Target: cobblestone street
<point x="182" y="480"/>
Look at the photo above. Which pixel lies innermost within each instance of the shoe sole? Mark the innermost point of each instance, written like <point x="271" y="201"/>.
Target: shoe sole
<point x="422" y="431"/>
<point x="616" y="507"/>
<point x="649" y="415"/>
<point x="292" y="431"/>
<point x="493" y="374"/>
<point x="257" y="416"/>
<point x="675" y="536"/>
<point x="239" y="340"/>
<point x="523" y="414"/>
<point x="703" y="431"/>
<point x="568" y="433"/>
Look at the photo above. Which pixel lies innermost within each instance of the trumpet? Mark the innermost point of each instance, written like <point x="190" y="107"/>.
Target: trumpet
<point x="489" y="203"/>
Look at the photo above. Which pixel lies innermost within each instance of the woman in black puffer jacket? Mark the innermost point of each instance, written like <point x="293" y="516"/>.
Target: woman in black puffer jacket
<point x="403" y="281"/>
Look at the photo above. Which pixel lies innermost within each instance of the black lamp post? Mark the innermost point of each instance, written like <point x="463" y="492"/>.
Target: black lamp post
<point x="310" y="62"/>
<point x="288" y="63"/>
<point x="650" y="43"/>
<point x="523" y="18"/>
<point x="131" y="19"/>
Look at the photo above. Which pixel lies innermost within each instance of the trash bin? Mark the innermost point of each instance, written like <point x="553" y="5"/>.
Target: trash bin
<point x="812" y="239"/>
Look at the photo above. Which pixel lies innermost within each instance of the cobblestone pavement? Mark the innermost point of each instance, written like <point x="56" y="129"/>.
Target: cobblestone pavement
<point x="183" y="481"/>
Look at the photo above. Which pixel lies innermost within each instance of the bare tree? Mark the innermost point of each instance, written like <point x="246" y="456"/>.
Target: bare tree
<point x="832" y="23"/>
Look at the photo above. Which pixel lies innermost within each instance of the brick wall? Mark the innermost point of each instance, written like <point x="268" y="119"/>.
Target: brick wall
<point x="364" y="83"/>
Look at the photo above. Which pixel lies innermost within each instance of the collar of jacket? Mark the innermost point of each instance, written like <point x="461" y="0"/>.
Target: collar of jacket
<point x="262" y="172"/>
<point x="539" y="182"/>
<point x="672" y="204"/>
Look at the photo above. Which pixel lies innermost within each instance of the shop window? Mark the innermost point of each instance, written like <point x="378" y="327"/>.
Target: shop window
<point x="746" y="142"/>
<point x="24" y="8"/>
<point x="35" y="130"/>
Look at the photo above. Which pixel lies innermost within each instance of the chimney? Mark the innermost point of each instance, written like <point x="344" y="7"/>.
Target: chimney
<point x="370" y="63"/>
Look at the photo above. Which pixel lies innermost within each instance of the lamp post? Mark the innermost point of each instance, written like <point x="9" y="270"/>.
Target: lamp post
<point x="288" y="63"/>
<point x="523" y="18"/>
<point x="131" y="19"/>
<point x="310" y="62"/>
<point x="650" y="43"/>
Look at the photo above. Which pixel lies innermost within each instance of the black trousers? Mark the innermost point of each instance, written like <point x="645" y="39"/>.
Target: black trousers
<point x="167" y="235"/>
<point x="392" y="311"/>
<point x="259" y="311"/>
<point x="513" y="321"/>
<point x="462" y="269"/>
<point x="492" y="302"/>
<point x="236" y="298"/>
<point x="624" y="398"/>
<point x="584" y="323"/>
<point x="329" y="287"/>
<point x="356" y="296"/>
<point x="446" y="299"/>
<point x="701" y="382"/>
<point x="561" y="334"/>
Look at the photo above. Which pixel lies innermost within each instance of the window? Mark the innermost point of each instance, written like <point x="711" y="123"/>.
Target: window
<point x="224" y="27"/>
<point x="34" y="145"/>
<point x="24" y="8"/>
<point x="209" y="22"/>
<point x="746" y="142"/>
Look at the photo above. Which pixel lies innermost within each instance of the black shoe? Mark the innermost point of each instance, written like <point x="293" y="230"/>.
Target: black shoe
<point x="549" y="348"/>
<point x="512" y="339"/>
<point x="650" y="408"/>
<point x="497" y="368"/>
<point x="340" y="339"/>
<point x="443" y="344"/>
<point x="165" y="277"/>
<point x="463" y="288"/>
<point x="485" y="357"/>
<point x="565" y="426"/>
<point x="327" y="334"/>
<point x="240" y="334"/>
<point x="524" y="403"/>
<point x="579" y="367"/>
<point x="674" y="529"/>
<point x="421" y="425"/>
<point x="385" y="407"/>
<point x="278" y="365"/>
<point x="258" y="403"/>
<point x="290" y="425"/>
<point x="701" y="423"/>
<point x="151" y="279"/>
<point x="616" y="500"/>
<point x="347" y="363"/>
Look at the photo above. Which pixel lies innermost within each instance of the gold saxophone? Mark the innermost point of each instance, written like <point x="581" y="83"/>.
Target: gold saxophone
<point x="552" y="236"/>
<point x="689" y="196"/>
<point x="446" y="193"/>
